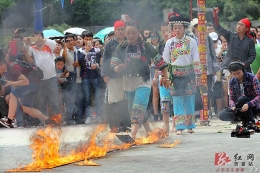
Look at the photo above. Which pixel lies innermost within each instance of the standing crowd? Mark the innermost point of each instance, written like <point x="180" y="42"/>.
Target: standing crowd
<point x="132" y="77"/>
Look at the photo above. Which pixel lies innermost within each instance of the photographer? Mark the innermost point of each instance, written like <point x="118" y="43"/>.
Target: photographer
<point x="244" y="94"/>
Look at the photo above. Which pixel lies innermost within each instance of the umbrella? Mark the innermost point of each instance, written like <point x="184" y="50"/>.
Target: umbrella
<point x="102" y="33"/>
<point x="49" y="33"/>
<point x="77" y="31"/>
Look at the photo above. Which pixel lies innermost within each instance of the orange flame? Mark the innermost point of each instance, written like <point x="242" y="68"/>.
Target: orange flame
<point x="87" y="163"/>
<point x="153" y="137"/>
<point x="46" y="146"/>
<point x="169" y="145"/>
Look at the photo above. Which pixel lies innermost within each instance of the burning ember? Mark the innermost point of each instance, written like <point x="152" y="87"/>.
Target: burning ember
<point x="169" y="145"/>
<point x="87" y="163"/>
<point x="46" y="146"/>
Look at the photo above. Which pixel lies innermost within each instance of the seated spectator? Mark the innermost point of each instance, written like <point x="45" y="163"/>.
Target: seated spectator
<point x="244" y="93"/>
<point x="25" y="90"/>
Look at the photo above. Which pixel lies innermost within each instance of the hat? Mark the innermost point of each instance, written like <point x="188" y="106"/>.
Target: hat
<point x="172" y="14"/>
<point x="214" y="36"/>
<point x="177" y="19"/>
<point x="118" y="24"/>
<point x="194" y="22"/>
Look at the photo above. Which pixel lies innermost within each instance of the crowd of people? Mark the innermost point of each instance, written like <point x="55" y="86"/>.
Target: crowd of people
<point x="132" y="77"/>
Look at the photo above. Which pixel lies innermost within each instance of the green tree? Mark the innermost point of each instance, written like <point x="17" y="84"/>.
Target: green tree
<point x="5" y="4"/>
<point x="234" y="11"/>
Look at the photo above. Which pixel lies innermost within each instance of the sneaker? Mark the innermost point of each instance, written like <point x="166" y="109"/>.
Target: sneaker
<point x="5" y="124"/>
<point x="87" y="121"/>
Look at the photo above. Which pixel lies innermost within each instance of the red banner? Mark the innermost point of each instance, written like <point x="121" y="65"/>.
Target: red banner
<point x="204" y="78"/>
<point x="201" y="3"/>
<point x="204" y="112"/>
<point x="201" y="18"/>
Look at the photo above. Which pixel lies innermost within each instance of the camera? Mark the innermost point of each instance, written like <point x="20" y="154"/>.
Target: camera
<point x="20" y="30"/>
<point x="3" y="81"/>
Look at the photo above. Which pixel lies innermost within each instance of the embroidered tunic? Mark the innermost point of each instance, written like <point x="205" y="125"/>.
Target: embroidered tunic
<point x="183" y="58"/>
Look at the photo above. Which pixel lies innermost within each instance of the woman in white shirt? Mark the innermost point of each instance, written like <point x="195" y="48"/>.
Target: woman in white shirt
<point x="181" y="53"/>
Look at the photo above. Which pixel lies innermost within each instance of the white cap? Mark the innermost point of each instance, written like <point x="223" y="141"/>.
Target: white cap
<point x="214" y="36"/>
<point x="194" y="22"/>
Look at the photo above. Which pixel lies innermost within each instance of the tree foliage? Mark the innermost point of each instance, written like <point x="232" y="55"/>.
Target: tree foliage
<point x="105" y="12"/>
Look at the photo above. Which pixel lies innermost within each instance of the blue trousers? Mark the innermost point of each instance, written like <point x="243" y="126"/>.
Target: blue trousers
<point x="137" y="104"/>
<point x="184" y="109"/>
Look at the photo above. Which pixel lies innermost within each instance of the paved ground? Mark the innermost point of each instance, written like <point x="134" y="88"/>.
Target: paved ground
<point x="196" y="153"/>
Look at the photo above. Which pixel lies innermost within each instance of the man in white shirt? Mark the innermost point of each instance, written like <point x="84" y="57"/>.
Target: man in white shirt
<point x="41" y="54"/>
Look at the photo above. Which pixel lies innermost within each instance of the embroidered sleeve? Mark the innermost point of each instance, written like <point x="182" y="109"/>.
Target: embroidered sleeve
<point x="157" y="59"/>
<point x="114" y="62"/>
<point x="256" y="100"/>
<point x="159" y="62"/>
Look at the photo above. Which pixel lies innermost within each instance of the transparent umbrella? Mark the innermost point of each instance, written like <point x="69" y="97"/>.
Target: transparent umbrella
<point x="77" y="31"/>
<point x="102" y="33"/>
<point x="50" y="33"/>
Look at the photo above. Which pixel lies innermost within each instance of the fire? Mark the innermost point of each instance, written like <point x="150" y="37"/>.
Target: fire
<point x="169" y="145"/>
<point x="87" y="163"/>
<point x="57" y="119"/>
<point x="45" y="144"/>
<point x="152" y="137"/>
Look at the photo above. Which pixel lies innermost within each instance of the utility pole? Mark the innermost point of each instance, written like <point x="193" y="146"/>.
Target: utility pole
<point x="202" y="37"/>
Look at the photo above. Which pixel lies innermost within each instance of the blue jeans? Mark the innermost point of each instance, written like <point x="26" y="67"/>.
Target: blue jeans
<point x="73" y="103"/>
<point x="247" y="116"/>
<point x="95" y="85"/>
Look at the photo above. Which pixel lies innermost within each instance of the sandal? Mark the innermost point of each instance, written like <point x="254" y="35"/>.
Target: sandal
<point x="190" y="131"/>
<point x="179" y="132"/>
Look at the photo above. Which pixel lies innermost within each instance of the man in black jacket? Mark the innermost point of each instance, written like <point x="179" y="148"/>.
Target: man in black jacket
<point x="116" y="109"/>
<point x="241" y="46"/>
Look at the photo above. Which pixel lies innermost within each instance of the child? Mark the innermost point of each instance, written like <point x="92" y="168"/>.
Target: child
<point x="62" y="74"/>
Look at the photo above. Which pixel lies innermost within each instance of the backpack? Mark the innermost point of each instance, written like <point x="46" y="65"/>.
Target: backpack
<point x="29" y="70"/>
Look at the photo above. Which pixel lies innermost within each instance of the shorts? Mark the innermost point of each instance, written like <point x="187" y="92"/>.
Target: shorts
<point x="26" y="94"/>
<point x="217" y="90"/>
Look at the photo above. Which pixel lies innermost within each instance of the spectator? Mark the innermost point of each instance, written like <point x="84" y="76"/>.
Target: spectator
<point x="165" y="96"/>
<point x="58" y="48"/>
<point x="235" y="41"/>
<point x="90" y="63"/>
<point x="62" y="76"/>
<point x="145" y="34"/>
<point x="210" y="28"/>
<point x="116" y="106"/>
<point x="41" y="53"/>
<point x="256" y="63"/>
<point x="155" y="39"/>
<point x="216" y="86"/>
<point x="79" y="42"/>
<point x="72" y="91"/>
<point x="212" y="65"/>
<point x="11" y="75"/>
